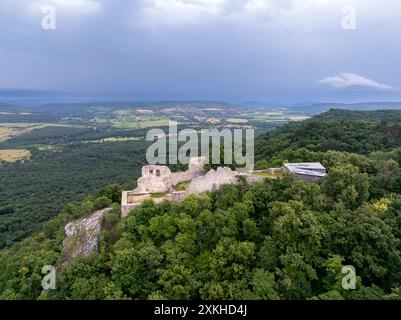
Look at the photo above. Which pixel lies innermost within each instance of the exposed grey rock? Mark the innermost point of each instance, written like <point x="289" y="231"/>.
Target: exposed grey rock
<point x="213" y="180"/>
<point x="82" y="237"/>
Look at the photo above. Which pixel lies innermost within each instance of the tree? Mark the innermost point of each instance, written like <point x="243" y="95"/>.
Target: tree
<point x="348" y="185"/>
<point x="367" y="243"/>
<point x="101" y="203"/>
<point x="263" y="286"/>
<point x="386" y="178"/>
<point x="177" y="282"/>
<point x="134" y="270"/>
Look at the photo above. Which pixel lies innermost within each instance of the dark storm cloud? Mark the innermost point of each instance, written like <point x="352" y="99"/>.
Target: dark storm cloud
<point x="202" y="49"/>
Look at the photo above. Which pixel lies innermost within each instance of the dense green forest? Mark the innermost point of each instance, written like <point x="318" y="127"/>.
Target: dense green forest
<point x="351" y="115"/>
<point x="35" y="191"/>
<point x="281" y="239"/>
<point x="340" y="130"/>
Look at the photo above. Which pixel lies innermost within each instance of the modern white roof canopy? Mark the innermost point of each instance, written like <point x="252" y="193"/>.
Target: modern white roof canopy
<point x="308" y="168"/>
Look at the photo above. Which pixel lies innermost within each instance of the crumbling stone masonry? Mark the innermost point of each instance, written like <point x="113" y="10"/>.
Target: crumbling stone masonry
<point x="159" y="180"/>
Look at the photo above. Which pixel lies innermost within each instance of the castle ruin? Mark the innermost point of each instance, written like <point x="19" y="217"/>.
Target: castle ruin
<point x="160" y="184"/>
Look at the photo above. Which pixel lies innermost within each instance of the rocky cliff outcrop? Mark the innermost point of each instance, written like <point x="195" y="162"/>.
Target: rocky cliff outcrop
<point x="82" y="237"/>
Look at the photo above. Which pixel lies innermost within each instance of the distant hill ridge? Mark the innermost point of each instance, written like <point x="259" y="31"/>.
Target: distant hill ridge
<point x="373" y="115"/>
<point x="317" y="108"/>
<point x="340" y="130"/>
<point x="312" y="108"/>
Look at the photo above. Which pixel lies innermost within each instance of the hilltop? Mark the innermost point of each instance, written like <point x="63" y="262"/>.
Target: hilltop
<point x="78" y="148"/>
<point x="362" y="132"/>
<point x="277" y="239"/>
<point x="320" y="107"/>
<point x="393" y="116"/>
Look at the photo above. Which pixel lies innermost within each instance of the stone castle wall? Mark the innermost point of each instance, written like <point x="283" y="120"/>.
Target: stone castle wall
<point x="159" y="179"/>
<point x="154" y="185"/>
<point x="164" y="181"/>
<point x="213" y="180"/>
<point x="188" y="175"/>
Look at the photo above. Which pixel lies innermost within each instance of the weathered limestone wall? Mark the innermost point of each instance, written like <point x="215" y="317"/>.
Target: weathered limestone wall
<point x="126" y="207"/>
<point x="178" y="196"/>
<point x="213" y="180"/>
<point x="188" y="175"/>
<point x="155" y="179"/>
<point x="159" y="179"/>
<point x="154" y="185"/>
<point x="197" y="164"/>
<point x="195" y="169"/>
<point x="152" y="170"/>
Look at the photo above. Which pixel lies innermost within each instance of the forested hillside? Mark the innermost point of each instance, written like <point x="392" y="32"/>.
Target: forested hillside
<point x="282" y="239"/>
<point x="65" y="171"/>
<point x="374" y="116"/>
<point x="361" y="132"/>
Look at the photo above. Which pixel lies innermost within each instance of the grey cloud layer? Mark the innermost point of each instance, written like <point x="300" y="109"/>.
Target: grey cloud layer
<point x="233" y="50"/>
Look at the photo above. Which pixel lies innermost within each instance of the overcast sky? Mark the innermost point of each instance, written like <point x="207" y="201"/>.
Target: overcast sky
<point x="233" y="50"/>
